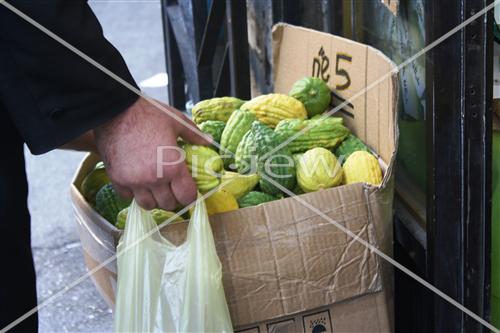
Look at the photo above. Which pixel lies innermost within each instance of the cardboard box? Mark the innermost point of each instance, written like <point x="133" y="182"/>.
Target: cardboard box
<point x="286" y="269"/>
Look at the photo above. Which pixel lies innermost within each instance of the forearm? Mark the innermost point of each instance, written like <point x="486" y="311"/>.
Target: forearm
<point x="52" y="94"/>
<point x="85" y="142"/>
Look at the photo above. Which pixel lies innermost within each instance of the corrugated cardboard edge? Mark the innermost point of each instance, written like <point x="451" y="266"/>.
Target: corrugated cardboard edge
<point x="381" y="215"/>
<point x="103" y="232"/>
<point x="385" y="193"/>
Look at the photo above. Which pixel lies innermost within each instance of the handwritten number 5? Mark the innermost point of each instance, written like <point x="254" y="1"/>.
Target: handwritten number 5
<point x="342" y="72"/>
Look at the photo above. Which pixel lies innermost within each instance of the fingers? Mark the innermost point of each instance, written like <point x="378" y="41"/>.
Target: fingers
<point x="145" y="198"/>
<point x="154" y="183"/>
<point x="184" y="188"/>
<point x="164" y="197"/>
<point x="189" y="134"/>
<point x="123" y="191"/>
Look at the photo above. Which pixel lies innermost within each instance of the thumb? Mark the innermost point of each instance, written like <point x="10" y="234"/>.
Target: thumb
<point x="192" y="134"/>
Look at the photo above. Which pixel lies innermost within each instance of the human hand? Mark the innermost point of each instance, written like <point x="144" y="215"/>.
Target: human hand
<point x="129" y="145"/>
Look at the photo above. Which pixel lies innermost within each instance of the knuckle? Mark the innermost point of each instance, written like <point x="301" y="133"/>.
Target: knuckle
<point x="146" y="203"/>
<point x="165" y="199"/>
<point x="191" y="196"/>
<point x="173" y="170"/>
<point x="186" y="193"/>
<point x="150" y="178"/>
<point x="178" y="167"/>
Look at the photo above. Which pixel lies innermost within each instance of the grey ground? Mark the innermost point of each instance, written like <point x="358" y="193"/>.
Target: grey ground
<point x="134" y="27"/>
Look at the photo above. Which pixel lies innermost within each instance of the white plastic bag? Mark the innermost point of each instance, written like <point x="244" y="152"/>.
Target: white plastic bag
<point x="168" y="288"/>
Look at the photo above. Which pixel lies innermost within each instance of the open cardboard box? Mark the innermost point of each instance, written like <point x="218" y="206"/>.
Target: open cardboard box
<point x="285" y="268"/>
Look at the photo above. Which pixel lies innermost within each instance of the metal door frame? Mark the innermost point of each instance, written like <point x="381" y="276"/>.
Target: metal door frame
<point x="192" y="30"/>
<point x="459" y="84"/>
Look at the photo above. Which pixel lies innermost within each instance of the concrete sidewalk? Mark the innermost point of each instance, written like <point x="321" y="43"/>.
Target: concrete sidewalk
<point x="134" y="27"/>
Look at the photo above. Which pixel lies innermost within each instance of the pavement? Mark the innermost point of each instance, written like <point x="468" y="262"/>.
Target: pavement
<point x="134" y="27"/>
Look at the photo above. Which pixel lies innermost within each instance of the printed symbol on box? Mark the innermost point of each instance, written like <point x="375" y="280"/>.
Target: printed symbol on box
<point x="318" y="322"/>
<point x="320" y="65"/>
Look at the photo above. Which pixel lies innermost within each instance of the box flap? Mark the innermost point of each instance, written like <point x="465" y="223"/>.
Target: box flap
<point x="353" y="71"/>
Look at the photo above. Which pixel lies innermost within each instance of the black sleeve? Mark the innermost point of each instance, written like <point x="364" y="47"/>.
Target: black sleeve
<point x="52" y="94"/>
